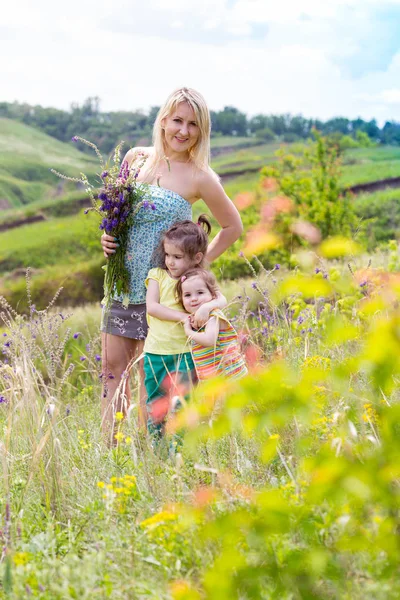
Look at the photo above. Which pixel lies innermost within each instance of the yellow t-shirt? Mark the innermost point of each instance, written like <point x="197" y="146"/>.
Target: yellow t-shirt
<point x="165" y="337"/>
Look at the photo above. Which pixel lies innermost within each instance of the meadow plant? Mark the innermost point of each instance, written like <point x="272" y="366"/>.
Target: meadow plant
<point x="287" y="482"/>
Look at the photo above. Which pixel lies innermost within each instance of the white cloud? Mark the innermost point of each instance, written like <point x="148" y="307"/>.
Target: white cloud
<point x="56" y="56"/>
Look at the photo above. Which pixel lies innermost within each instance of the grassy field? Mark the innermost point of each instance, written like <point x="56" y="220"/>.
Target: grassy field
<point x="285" y="484"/>
<point x="247" y="158"/>
<point x="369" y="171"/>
<point x="65" y="239"/>
<point x="26" y="156"/>
<point x="228" y="141"/>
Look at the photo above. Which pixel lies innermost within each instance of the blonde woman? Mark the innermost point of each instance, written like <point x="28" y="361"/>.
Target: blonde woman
<point x="178" y="173"/>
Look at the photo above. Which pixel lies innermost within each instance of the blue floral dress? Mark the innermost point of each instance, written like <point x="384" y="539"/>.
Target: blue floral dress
<point x="164" y="208"/>
<point x="150" y="222"/>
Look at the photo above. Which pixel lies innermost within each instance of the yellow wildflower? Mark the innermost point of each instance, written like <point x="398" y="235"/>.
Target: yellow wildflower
<point x="20" y="558"/>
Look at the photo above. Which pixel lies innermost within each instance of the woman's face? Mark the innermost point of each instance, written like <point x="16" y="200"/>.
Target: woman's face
<point x="181" y="129"/>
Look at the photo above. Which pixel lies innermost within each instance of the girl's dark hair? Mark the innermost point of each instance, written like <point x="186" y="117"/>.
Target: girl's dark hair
<point x="205" y="275"/>
<point x="190" y="237"/>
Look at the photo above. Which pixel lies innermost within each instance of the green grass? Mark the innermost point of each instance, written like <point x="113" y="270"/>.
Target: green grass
<point x="26" y="157"/>
<point x="285" y="487"/>
<point x="380" y="214"/>
<point x="247" y="158"/>
<point x="228" y="141"/>
<point x="376" y="153"/>
<point x="58" y="241"/>
<point x="367" y="172"/>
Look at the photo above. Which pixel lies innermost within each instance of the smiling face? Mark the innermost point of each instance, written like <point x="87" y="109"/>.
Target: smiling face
<point x="195" y="292"/>
<point x="177" y="261"/>
<point x="181" y="129"/>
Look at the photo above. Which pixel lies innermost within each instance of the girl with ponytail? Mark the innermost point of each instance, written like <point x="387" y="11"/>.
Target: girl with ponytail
<point x="167" y="355"/>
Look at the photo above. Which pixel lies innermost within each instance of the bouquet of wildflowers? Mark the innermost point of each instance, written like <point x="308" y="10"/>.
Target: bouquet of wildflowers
<point x="117" y="202"/>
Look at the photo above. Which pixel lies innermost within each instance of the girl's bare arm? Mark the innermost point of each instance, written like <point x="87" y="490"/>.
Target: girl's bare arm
<point x="155" y="309"/>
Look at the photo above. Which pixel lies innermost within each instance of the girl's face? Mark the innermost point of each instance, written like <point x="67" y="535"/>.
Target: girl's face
<point x="177" y="262"/>
<point x="195" y="293"/>
<point x="181" y="129"/>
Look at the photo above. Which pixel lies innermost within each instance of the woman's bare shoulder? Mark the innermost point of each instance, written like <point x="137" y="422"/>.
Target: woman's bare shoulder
<point x="206" y="176"/>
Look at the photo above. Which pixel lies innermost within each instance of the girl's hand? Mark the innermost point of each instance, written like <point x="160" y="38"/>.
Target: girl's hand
<point x="201" y="316"/>
<point x="109" y="244"/>
<point x="187" y="326"/>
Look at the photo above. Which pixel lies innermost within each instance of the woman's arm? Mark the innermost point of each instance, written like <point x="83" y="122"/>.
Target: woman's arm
<point x="205" y="338"/>
<point x="224" y="211"/>
<point x="155" y="309"/>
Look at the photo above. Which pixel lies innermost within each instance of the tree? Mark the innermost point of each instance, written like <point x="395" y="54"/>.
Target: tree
<point x="230" y="121"/>
<point x="310" y="180"/>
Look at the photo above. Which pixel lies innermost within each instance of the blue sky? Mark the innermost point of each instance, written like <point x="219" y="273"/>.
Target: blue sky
<point x="263" y="56"/>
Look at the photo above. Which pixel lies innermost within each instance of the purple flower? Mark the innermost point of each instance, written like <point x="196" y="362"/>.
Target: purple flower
<point x="153" y="207"/>
<point x="254" y="285"/>
<point x="111" y="376"/>
<point x="85" y="212"/>
<point x="74" y="139"/>
<point x="3" y="400"/>
<point x="82" y="358"/>
<point x="325" y="275"/>
<point x="363" y="283"/>
<point x="8" y="344"/>
<point x="309" y="330"/>
<point x="146" y="204"/>
<point x="277" y="267"/>
<point x="104" y="174"/>
<point x="76" y="335"/>
<point x="33" y="309"/>
<point x="103" y="196"/>
<point x="317" y="271"/>
<point x="97" y="357"/>
<point x="241" y="254"/>
<point x="67" y="410"/>
<point x="300" y="320"/>
<point x="4" y="335"/>
<point x="88" y="347"/>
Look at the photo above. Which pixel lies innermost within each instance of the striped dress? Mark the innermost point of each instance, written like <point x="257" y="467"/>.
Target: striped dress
<point x="224" y="358"/>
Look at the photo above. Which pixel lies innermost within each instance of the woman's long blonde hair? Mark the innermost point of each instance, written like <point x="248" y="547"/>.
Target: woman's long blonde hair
<point x="200" y="153"/>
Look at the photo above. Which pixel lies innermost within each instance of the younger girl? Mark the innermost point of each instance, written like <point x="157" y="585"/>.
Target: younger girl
<point x="166" y="349"/>
<point x="215" y="347"/>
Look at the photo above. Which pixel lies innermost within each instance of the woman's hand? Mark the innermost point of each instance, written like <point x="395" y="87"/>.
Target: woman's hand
<point x="109" y="244"/>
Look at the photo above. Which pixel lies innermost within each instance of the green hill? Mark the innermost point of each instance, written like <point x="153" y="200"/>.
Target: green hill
<point x="26" y="157"/>
<point x="63" y="248"/>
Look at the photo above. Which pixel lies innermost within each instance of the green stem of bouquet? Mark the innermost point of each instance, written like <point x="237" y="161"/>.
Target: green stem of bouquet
<point x="116" y="278"/>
